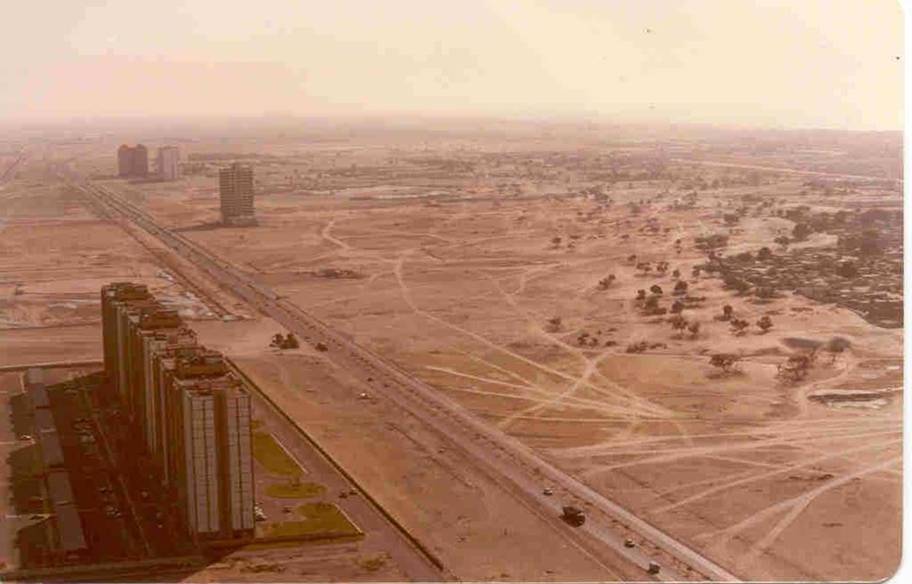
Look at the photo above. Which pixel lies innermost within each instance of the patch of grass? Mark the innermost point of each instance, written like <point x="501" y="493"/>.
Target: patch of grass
<point x="319" y="518"/>
<point x="295" y="490"/>
<point x="272" y="456"/>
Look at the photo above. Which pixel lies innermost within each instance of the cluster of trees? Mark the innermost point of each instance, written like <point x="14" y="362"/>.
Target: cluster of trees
<point x="738" y="325"/>
<point x="606" y="282"/>
<point x="711" y="242"/>
<point x="797" y="367"/>
<point x="641" y="346"/>
<point x="284" y="342"/>
<point x="681" y="324"/>
<point x="727" y="363"/>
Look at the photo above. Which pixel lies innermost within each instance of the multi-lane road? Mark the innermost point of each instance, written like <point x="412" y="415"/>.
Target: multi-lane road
<point x="609" y="530"/>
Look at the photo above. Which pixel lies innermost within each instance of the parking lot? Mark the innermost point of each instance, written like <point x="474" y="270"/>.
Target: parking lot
<point x="114" y="490"/>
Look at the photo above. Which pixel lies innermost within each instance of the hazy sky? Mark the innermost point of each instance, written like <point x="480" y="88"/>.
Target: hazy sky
<point x="808" y="63"/>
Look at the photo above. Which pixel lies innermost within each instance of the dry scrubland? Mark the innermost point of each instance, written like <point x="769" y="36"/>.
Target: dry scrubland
<point x="484" y="266"/>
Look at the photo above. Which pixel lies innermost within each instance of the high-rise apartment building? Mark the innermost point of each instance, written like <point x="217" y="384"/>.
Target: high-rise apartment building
<point x="191" y="410"/>
<point x="236" y="194"/>
<point x="132" y="162"/>
<point x="168" y="163"/>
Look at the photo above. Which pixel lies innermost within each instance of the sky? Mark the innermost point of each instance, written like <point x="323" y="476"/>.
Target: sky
<point x="771" y="63"/>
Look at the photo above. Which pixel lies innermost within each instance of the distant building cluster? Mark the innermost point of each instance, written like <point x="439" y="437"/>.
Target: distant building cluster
<point x="191" y="411"/>
<point x="132" y="161"/>
<point x="168" y="163"/>
<point x="236" y="194"/>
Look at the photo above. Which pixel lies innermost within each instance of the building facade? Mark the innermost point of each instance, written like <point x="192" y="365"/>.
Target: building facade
<point x="191" y="411"/>
<point x="169" y="163"/>
<point x="236" y="194"/>
<point x="132" y="161"/>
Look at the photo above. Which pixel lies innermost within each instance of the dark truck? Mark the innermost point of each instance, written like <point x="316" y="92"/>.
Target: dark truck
<point x="573" y="515"/>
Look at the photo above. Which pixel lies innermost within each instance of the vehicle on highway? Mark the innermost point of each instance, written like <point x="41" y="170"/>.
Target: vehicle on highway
<point x="258" y="513"/>
<point x="548" y="491"/>
<point x="573" y="515"/>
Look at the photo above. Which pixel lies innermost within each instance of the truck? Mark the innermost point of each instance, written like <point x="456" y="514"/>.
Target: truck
<point x="573" y="515"/>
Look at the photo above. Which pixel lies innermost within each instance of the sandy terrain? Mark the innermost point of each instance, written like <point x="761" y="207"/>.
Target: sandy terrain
<point x="447" y="260"/>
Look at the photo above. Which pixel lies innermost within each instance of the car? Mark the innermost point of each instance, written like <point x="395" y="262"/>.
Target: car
<point x="548" y="491"/>
<point x="258" y="513"/>
<point x="25" y="437"/>
<point x="37" y="516"/>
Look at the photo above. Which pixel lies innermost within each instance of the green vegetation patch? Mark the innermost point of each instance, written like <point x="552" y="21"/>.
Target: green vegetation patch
<point x="319" y="519"/>
<point x="272" y="456"/>
<point x="295" y="490"/>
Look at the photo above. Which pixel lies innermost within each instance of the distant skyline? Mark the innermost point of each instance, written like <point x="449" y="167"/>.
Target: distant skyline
<point x="804" y="63"/>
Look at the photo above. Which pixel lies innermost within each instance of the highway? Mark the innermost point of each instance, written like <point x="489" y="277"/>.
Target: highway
<point x="503" y="457"/>
<point x="8" y="173"/>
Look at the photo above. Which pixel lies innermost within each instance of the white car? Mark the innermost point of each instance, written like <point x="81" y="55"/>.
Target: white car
<point x="258" y="513"/>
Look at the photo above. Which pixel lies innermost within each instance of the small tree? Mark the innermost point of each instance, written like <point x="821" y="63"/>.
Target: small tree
<point x="641" y="294"/>
<point x="556" y="241"/>
<point x="764" y="254"/>
<point x="677" y="307"/>
<point x="694" y="329"/>
<point x="652" y="303"/>
<point x="656" y="289"/>
<point x="678" y="323"/>
<point x="835" y="347"/>
<point x="765" y="323"/>
<point x="605" y="283"/>
<point x="739" y="326"/>
<point x="680" y="288"/>
<point x="801" y="231"/>
<point x="795" y="368"/>
<point x="725" y="362"/>
<point x="727" y="313"/>
<point x="554" y="323"/>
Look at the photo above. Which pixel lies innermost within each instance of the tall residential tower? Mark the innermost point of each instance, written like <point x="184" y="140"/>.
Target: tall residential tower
<point x="189" y="409"/>
<point x="168" y="163"/>
<point x="236" y="193"/>
<point x="132" y="162"/>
